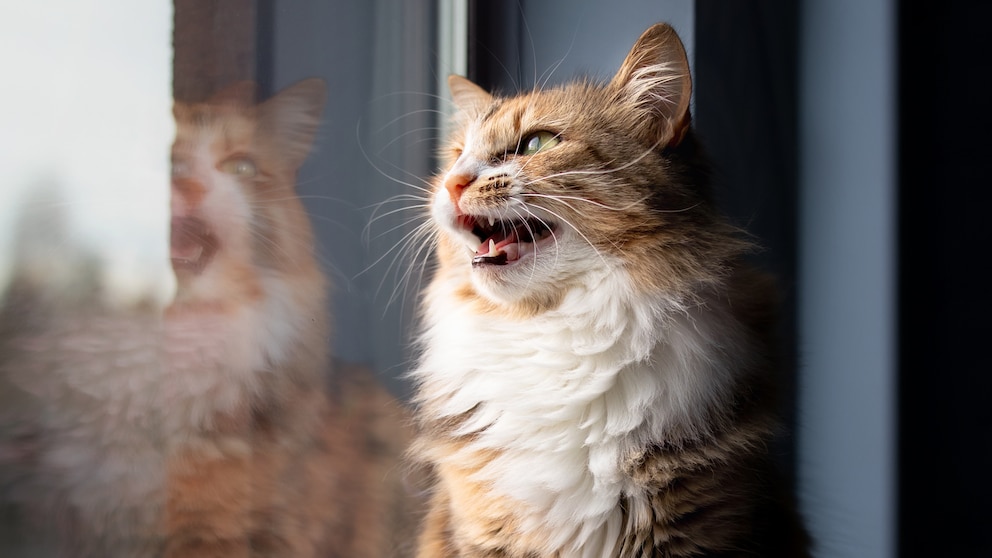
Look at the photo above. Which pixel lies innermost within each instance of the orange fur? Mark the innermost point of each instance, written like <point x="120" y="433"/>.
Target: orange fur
<point x="217" y="427"/>
<point x="599" y="381"/>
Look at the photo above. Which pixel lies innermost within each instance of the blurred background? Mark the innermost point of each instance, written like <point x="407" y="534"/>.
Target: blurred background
<point x="848" y="136"/>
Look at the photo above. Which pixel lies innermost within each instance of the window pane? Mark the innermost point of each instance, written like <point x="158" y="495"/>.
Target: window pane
<point x="163" y="311"/>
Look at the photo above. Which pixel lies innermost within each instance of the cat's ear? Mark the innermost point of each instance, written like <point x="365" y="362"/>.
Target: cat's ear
<point x="468" y="97"/>
<point x="654" y="85"/>
<point x="292" y="116"/>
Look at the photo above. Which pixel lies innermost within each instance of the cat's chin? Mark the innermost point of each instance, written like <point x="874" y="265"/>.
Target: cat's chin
<point x="505" y="289"/>
<point x="531" y="278"/>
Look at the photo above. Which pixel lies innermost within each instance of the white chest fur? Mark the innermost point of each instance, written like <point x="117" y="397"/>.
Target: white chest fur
<point x="563" y="396"/>
<point x="111" y="395"/>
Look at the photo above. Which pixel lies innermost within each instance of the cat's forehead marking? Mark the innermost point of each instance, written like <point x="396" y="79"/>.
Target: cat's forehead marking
<point x="210" y="132"/>
<point x="551" y="110"/>
<point x="506" y="114"/>
<point x="502" y="123"/>
<point x="201" y="117"/>
<point x="493" y="108"/>
<point x="234" y="135"/>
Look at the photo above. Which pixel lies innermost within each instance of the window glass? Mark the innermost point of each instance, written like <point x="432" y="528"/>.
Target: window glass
<point x="201" y="201"/>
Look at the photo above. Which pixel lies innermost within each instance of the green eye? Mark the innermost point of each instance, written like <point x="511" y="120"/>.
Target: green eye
<point x="240" y="166"/>
<point x="537" y="142"/>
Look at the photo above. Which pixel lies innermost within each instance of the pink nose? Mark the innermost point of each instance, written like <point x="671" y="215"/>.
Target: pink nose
<point x="187" y="193"/>
<point x="455" y="184"/>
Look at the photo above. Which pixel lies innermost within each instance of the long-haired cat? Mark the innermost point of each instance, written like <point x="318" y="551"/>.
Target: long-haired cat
<point x="596" y="374"/>
<point x="207" y="430"/>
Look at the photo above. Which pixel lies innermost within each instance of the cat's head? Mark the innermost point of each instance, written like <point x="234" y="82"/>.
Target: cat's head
<point x="235" y="216"/>
<point x="543" y="189"/>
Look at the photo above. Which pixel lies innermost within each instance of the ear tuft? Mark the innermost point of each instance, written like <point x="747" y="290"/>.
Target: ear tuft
<point x="292" y="117"/>
<point x="654" y="83"/>
<point x="468" y="97"/>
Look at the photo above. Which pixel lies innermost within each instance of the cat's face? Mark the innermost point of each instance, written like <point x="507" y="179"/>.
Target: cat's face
<point x="515" y="199"/>
<point x="542" y="189"/>
<point x="235" y="215"/>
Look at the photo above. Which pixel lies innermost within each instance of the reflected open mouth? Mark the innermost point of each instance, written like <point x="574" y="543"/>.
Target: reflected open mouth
<point x="505" y="241"/>
<point x="192" y="244"/>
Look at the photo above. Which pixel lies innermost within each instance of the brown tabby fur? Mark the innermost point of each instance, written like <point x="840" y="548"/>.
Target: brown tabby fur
<point x="706" y="484"/>
<point x="217" y="428"/>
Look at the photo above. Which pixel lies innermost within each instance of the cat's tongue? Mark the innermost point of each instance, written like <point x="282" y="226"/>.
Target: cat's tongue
<point x="497" y="251"/>
<point x="192" y="244"/>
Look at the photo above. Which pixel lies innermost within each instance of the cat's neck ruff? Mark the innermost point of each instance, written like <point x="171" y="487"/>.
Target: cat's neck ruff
<point x="116" y="392"/>
<point x="220" y="360"/>
<point x="562" y="397"/>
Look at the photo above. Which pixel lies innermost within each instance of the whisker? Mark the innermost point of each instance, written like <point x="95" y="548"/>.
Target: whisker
<point x="395" y="199"/>
<point x="421" y="207"/>
<point x="384" y="174"/>
<point x="409" y="237"/>
<point x="397" y="227"/>
<point x="565" y="221"/>
<point x="409" y="114"/>
<point x="624" y="166"/>
<point x="376" y="214"/>
<point x="539" y="219"/>
<point x="549" y="73"/>
<point x="403" y="282"/>
<point x="426" y="238"/>
<point x="533" y="45"/>
<point x="397" y="137"/>
<point x="533" y="269"/>
<point x="514" y="80"/>
<point x="559" y="198"/>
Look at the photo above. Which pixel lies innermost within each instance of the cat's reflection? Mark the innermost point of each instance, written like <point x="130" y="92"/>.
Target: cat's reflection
<point x="209" y="427"/>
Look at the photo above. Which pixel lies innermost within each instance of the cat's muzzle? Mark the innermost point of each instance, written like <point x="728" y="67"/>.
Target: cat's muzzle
<point x="506" y="241"/>
<point x="192" y="244"/>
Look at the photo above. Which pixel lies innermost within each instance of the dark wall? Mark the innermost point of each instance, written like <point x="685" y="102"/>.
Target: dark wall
<point x="493" y="43"/>
<point x="745" y="86"/>
<point x="945" y="371"/>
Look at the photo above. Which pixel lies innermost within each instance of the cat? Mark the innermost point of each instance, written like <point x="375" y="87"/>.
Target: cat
<point x="596" y="369"/>
<point x="215" y="427"/>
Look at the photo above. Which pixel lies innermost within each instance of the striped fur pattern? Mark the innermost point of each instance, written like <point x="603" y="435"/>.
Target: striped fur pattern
<point x="595" y="376"/>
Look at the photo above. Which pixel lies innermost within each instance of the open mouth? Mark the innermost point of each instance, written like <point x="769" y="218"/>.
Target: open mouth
<point x="192" y="244"/>
<point x="503" y="242"/>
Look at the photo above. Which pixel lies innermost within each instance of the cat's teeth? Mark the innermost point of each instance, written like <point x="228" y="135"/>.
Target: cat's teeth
<point x="492" y="221"/>
<point x="492" y="249"/>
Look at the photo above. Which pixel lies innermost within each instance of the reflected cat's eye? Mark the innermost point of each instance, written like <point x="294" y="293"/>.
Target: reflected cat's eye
<point x="240" y="166"/>
<point x="537" y="142"/>
<point x="180" y="168"/>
